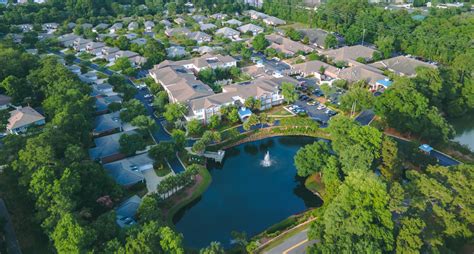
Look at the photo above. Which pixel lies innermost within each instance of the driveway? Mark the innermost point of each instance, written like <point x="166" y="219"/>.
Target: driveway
<point x="152" y="180"/>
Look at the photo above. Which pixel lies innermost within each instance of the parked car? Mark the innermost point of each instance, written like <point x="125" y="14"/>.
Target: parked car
<point x="146" y="96"/>
<point x="321" y="107"/>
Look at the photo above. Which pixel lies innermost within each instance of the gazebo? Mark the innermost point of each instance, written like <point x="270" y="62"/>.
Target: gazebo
<point x="244" y="113"/>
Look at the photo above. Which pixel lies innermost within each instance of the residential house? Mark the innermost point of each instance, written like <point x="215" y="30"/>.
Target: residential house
<point x="107" y="148"/>
<point x="228" y="33"/>
<point x="86" y="26"/>
<point x="128" y="172"/>
<point x="71" y="25"/>
<point x="26" y="27"/>
<point x="89" y="77"/>
<point x="80" y="44"/>
<point x="287" y="46"/>
<point x="23" y="118"/>
<point x="361" y="72"/>
<point x="175" y="51"/>
<point x="233" y="22"/>
<point x="199" y="37"/>
<point x="219" y="16"/>
<point x="95" y="48"/>
<point x="166" y="23"/>
<point x="115" y="27"/>
<point x="108" y="52"/>
<point x="107" y="124"/>
<point x="314" y="68"/>
<point x="149" y="25"/>
<point x="265" y="89"/>
<point x="402" y="65"/>
<point x="50" y="26"/>
<point x="100" y="27"/>
<point x="256" y="15"/>
<point x="5" y="102"/>
<point x="104" y="89"/>
<point x="126" y="211"/>
<point x="254" y="29"/>
<point x="206" y="27"/>
<point x="131" y="36"/>
<point x="179" y="21"/>
<point x="132" y="26"/>
<point x="179" y="31"/>
<point x="350" y="54"/>
<point x="199" y="18"/>
<point x="207" y="50"/>
<point x="273" y="21"/>
<point x="67" y="40"/>
<point x="4" y="2"/>
<point x="102" y="103"/>
<point x="316" y="37"/>
<point x="139" y="41"/>
<point x="180" y="83"/>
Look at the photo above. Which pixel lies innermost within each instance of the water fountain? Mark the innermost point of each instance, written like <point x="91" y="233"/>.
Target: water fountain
<point x="267" y="162"/>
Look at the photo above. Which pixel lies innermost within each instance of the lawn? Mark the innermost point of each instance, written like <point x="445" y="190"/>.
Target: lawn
<point x="314" y="184"/>
<point x="162" y="170"/>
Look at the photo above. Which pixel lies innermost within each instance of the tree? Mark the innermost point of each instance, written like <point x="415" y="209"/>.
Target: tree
<point x="143" y="122"/>
<point x="326" y="89"/>
<point x="213" y="248"/>
<point x="293" y="34"/>
<point x="361" y="96"/>
<point x="160" y="101"/>
<point x="124" y="65"/>
<point x="390" y="167"/>
<point x="70" y="237"/>
<point x="357" y="219"/>
<point x="312" y="158"/>
<point x="330" y="41"/>
<point x="214" y="121"/>
<point x="441" y="197"/>
<point x="174" y="111"/>
<point x="251" y="121"/>
<point x="149" y="209"/>
<point x="194" y="128"/>
<point x="409" y="238"/>
<point x="260" y="43"/>
<point x="246" y="53"/>
<point x="386" y="45"/>
<point x="17" y="88"/>
<point x="132" y="109"/>
<point x="397" y="198"/>
<point x="179" y="138"/>
<point x="171" y="242"/>
<point x="69" y="59"/>
<point x="130" y="144"/>
<point x="240" y="239"/>
<point x="289" y="92"/>
<point x="162" y="151"/>
<point x="407" y="110"/>
<point x="4" y="116"/>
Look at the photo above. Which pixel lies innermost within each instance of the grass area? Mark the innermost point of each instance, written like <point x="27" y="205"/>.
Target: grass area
<point x="283" y="238"/>
<point x="278" y="111"/>
<point x="162" y="170"/>
<point x="314" y="184"/>
<point x="196" y="192"/>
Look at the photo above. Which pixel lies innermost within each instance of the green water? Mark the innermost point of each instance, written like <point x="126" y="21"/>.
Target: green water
<point x="464" y="130"/>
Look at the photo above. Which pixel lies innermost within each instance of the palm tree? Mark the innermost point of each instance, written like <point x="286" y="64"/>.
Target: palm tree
<point x="180" y="124"/>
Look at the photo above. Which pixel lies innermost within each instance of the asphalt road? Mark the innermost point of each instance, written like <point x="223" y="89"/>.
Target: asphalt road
<point x="296" y="244"/>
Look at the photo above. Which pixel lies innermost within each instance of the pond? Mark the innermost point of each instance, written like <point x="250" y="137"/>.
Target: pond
<point x="247" y="196"/>
<point x="464" y="130"/>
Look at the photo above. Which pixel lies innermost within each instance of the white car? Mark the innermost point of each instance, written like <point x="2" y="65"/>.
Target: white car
<point x="146" y="96"/>
<point x="321" y="107"/>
